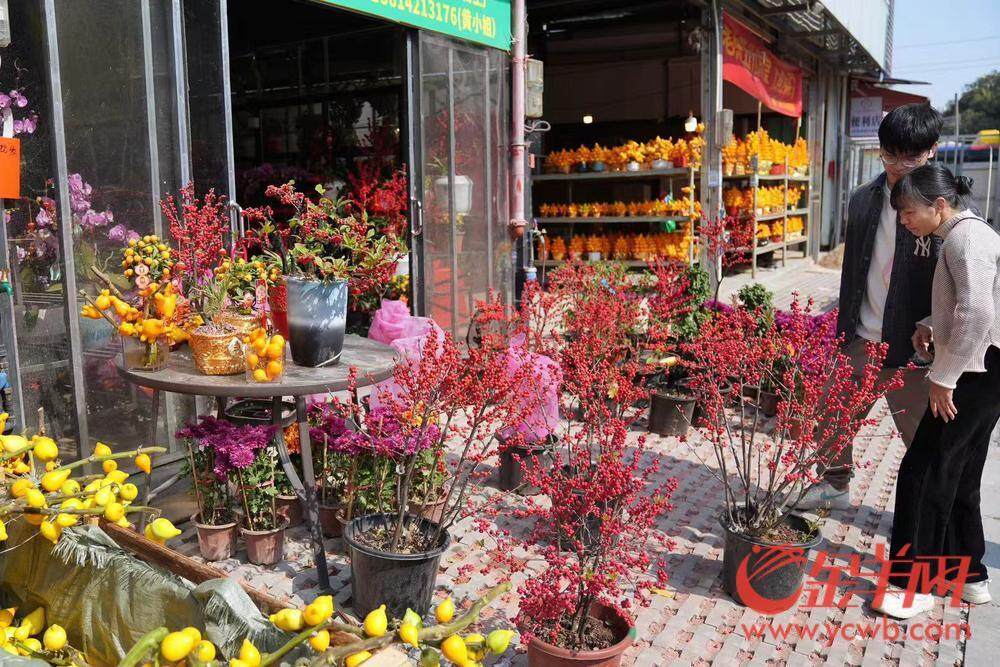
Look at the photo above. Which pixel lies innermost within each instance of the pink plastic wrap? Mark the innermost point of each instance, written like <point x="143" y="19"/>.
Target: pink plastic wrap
<point x="540" y="395"/>
<point x="410" y="339"/>
<point x="390" y="321"/>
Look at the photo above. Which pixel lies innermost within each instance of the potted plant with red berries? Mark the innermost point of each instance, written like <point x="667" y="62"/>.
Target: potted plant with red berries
<point x="442" y="400"/>
<point x="766" y="471"/>
<point x="328" y="254"/>
<point x="603" y="498"/>
<point x="594" y="537"/>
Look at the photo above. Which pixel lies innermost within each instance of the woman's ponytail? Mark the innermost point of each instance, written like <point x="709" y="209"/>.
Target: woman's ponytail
<point x="963" y="186"/>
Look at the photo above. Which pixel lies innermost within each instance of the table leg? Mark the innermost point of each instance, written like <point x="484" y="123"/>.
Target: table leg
<point x="311" y="502"/>
<point x="220" y="407"/>
<point x="286" y="461"/>
<point x="147" y="481"/>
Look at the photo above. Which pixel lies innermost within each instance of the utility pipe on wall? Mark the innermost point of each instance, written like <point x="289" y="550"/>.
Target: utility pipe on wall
<point x="517" y="144"/>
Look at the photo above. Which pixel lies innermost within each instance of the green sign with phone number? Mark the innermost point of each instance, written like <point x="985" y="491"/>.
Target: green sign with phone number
<point x="481" y="21"/>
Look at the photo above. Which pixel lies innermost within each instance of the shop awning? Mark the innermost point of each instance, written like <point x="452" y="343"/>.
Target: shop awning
<point x="890" y="98"/>
<point x="749" y="64"/>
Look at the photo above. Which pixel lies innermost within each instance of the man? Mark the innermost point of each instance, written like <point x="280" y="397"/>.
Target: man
<point x="885" y="284"/>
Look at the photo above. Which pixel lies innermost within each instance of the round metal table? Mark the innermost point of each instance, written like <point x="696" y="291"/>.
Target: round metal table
<point x="373" y="362"/>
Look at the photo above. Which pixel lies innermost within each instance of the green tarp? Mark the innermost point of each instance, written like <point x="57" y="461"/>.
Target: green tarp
<point x="107" y="599"/>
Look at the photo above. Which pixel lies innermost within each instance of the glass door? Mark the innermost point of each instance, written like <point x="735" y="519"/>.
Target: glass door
<point x="463" y="175"/>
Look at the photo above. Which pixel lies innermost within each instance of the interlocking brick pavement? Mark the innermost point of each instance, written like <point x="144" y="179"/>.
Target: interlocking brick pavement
<point x="696" y="622"/>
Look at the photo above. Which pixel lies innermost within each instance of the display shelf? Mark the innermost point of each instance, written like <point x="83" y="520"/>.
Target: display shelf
<point x="770" y="216"/>
<point x="610" y="219"/>
<point x="770" y="247"/>
<point x="796" y="240"/>
<point x="552" y="263"/>
<point x="611" y="175"/>
<point x="797" y="211"/>
<point x="766" y="177"/>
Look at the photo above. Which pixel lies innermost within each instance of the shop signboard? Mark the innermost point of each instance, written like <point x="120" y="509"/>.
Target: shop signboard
<point x="481" y="21"/>
<point x="866" y="115"/>
<point x="749" y="64"/>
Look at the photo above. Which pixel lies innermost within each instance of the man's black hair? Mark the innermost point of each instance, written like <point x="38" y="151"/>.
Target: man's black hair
<point x="910" y="129"/>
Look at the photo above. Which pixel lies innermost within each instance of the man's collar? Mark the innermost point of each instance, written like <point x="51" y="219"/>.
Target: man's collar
<point x="879" y="182"/>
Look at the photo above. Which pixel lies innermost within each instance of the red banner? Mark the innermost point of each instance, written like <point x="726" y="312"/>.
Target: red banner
<point x="749" y="64"/>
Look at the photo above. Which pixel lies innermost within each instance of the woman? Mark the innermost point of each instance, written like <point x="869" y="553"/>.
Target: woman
<point x="937" y="492"/>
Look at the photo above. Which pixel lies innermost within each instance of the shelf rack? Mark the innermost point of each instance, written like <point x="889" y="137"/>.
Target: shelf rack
<point x="591" y="176"/>
<point x="785" y="243"/>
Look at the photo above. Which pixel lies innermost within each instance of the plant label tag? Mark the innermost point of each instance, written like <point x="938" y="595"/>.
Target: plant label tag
<point x="10" y="168"/>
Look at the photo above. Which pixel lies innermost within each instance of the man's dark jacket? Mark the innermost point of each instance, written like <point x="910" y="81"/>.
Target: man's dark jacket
<point x="909" y="297"/>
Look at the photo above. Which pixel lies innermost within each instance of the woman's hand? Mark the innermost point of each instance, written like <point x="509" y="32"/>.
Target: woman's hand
<point x="941" y="404"/>
<point x="922" y="339"/>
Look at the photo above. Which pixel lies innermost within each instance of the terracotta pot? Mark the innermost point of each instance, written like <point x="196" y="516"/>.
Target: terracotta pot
<point x="431" y="511"/>
<point x="543" y="654"/>
<point x="265" y="547"/>
<point x="331" y="520"/>
<point x="288" y="508"/>
<point x="215" y="542"/>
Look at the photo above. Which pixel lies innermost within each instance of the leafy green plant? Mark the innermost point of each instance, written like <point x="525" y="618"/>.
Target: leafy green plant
<point x="257" y="487"/>
<point x="758" y="299"/>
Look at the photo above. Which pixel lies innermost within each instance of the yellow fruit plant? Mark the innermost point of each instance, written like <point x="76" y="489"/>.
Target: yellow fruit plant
<point x="336" y="641"/>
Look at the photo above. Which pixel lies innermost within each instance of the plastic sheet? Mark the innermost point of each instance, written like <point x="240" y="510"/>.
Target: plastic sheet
<point x="540" y="398"/>
<point x="107" y="599"/>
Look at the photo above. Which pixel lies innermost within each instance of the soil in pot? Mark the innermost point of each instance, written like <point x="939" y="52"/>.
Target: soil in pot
<point x="777" y="588"/>
<point x="670" y="413"/>
<point x="398" y="580"/>
<point x="289" y="509"/>
<point x="215" y="541"/>
<point x="609" y="635"/>
<point x="264" y="547"/>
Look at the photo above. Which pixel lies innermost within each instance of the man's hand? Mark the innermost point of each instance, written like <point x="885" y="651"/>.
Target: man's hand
<point x="941" y="404"/>
<point x="922" y="339"/>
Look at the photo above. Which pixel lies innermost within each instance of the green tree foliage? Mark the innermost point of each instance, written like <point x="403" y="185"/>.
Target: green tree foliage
<point x="978" y="105"/>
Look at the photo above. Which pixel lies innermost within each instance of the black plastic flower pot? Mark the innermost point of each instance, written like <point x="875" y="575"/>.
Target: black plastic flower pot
<point x="517" y="460"/>
<point x="396" y="580"/>
<point x="317" y="319"/>
<point x="765" y="576"/>
<point x="670" y="414"/>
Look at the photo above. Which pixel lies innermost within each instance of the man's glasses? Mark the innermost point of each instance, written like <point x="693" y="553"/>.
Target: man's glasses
<point x="910" y="161"/>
